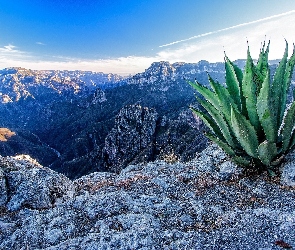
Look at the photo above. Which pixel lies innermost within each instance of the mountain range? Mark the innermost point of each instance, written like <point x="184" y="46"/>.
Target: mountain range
<point x="79" y="122"/>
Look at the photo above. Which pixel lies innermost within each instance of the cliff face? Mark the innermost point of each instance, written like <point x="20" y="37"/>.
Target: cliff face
<point x="132" y="139"/>
<point x="140" y="135"/>
<point x="207" y="203"/>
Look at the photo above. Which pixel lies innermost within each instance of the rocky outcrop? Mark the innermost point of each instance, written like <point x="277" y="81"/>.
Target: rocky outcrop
<point x="26" y="184"/>
<point x="207" y="203"/>
<point x="140" y="135"/>
<point x="132" y="138"/>
<point x="98" y="97"/>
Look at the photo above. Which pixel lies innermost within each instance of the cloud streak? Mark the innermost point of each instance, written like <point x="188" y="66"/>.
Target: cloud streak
<point x="229" y="28"/>
<point x="232" y="40"/>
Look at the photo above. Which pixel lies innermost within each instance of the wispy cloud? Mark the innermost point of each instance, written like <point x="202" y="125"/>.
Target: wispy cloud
<point x="9" y="49"/>
<point x="229" y="28"/>
<point x="11" y="52"/>
<point x="11" y="55"/>
<point x="40" y="43"/>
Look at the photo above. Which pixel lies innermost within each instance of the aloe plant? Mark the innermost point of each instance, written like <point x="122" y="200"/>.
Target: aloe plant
<point x="250" y="118"/>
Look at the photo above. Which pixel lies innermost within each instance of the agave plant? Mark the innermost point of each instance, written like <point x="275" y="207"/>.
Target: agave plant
<point x="250" y="118"/>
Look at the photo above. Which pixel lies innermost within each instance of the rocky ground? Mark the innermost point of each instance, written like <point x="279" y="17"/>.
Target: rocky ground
<point x="207" y="203"/>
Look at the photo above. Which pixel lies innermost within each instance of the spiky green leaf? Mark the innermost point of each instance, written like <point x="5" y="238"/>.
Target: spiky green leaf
<point x="225" y="104"/>
<point x="207" y="93"/>
<point x="249" y="92"/>
<point x="288" y="127"/>
<point x="265" y="112"/>
<point x="210" y="123"/>
<point x="219" y="119"/>
<point x="287" y="80"/>
<point x="267" y="151"/>
<point x="224" y="98"/>
<point x="245" y="133"/>
<point x="277" y="90"/>
<point x="290" y="69"/>
<point x="262" y="64"/>
<point x="232" y="83"/>
<point x="239" y="75"/>
<point x="221" y="144"/>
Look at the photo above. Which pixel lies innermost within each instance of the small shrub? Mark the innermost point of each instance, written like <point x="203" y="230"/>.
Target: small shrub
<point x="249" y="118"/>
<point x="170" y="158"/>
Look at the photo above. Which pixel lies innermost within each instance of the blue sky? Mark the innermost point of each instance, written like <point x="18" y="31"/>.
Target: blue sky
<point x="126" y="36"/>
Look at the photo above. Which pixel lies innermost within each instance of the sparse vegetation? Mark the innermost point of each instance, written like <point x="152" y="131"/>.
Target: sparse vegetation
<point x="170" y="158"/>
<point x="250" y="118"/>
